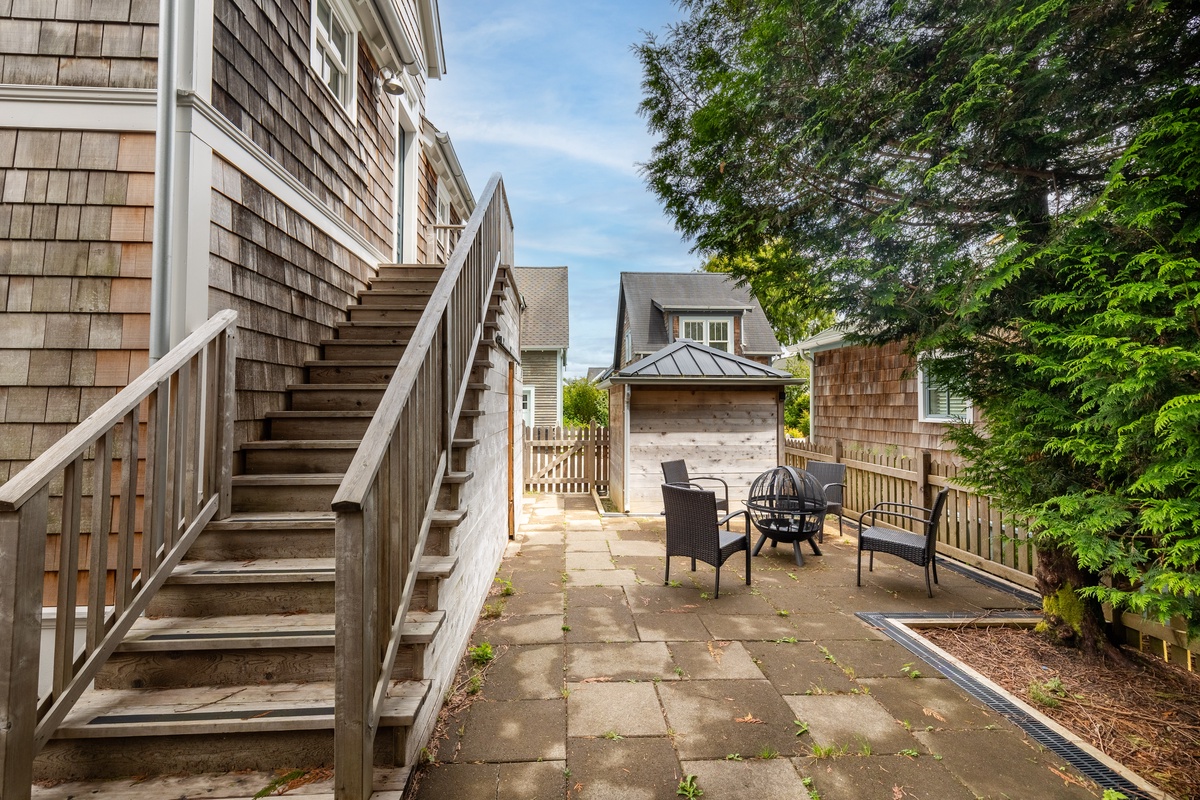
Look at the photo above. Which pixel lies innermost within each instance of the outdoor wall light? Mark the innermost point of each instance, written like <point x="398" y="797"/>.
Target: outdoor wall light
<point x="391" y="82"/>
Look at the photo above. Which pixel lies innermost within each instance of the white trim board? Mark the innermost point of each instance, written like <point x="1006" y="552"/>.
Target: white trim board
<point x="77" y="108"/>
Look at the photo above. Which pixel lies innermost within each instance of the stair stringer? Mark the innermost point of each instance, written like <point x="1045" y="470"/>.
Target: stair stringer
<point x="478" y="542"/>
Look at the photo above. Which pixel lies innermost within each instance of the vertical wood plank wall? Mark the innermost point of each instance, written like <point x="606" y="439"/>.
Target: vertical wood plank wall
<point x="730" y="432"/>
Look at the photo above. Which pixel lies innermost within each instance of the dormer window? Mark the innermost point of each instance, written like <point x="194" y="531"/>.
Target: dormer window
<point x="714" y="332"/>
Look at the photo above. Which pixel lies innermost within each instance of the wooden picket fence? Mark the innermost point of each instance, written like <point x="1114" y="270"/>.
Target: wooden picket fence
<point x="566" y="460"/>
<point x="974" y="529"/>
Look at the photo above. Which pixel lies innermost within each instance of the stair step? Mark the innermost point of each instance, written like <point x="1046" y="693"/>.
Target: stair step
<point x="448" y="519"/>
<point x="248" y="536"/>
<point x="479" y="386"/>
<point x="121" y="713"/>
<point x="389" y="784"/>
<point x="471" y="412"/>
<point x="336" y="397"/>
<point x="383" y="313"/>
<point x="262" y="631"/>
<point x="376" y="330"/>
<point x="390" y="271"/>
<point x="458" y="477"/>
<point x="289" y="425"/>
<point x="299" y="455"/>
<point x="285" y="492"/>
<point x="465" y="444"/>
<point x="393" y="298"/>
<point x="349" y="371"/>
<point x="363" y="350"/>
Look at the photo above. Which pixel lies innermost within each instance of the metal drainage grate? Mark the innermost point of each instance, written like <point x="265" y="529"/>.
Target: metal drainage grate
<point x="1019" y="592"/>
<point x="1085" y="763"/>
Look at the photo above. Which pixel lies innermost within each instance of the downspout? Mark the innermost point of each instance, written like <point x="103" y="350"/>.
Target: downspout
<point x="164" y="184"/>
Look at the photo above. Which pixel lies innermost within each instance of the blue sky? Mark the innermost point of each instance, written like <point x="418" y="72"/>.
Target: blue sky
<point x="547" y="93"/>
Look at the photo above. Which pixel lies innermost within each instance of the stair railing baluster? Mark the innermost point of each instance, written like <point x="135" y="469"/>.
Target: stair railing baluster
<point x="27" y="721"/>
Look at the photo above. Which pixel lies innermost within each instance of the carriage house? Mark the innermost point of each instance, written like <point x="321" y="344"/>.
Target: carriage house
<point x="712" y="400"/>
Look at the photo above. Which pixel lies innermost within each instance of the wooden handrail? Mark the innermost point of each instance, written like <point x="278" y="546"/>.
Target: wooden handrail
<point x="385" y="504"/>
<point x="188" y="399"/>
<point x="25" y="483"/>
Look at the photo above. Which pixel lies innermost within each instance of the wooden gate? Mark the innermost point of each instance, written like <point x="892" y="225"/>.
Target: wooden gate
<point x="566" y="460"/>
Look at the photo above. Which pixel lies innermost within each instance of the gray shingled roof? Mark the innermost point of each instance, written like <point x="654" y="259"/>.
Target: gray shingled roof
<point x="698" y="292"/>
<point x="544" y="322"/>
<point x="688" y="359"/>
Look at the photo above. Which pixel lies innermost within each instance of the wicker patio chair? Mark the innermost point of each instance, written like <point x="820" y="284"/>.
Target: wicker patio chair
<point x="694" y="531"/>
<point x="917" y="548"/>
<point x="832" y="478"/>
<point x="676" y="473"/>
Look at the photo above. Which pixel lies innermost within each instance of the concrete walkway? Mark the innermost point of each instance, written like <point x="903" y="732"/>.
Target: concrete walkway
<point x="608" y="684"/>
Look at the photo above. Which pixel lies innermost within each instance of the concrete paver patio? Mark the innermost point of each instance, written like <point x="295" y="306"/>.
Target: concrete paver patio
<point x="607" y="684"/>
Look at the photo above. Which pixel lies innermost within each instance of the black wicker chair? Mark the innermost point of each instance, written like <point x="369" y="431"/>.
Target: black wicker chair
<point x="694" y="531"/>
<point x="917" y="548"/>
<point x="832" y="478"/>
<point x="676" y="473"/>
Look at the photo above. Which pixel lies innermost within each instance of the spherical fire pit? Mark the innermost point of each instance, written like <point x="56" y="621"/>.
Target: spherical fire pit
<point x="787" y="505"/>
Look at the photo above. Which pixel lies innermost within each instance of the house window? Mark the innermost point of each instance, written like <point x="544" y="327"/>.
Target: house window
<point x="940" y="403"/>
<point x="527" y="406"/>
<point x="333" y="50"/>
<point x="442" y="221"/>
<point x="712" y="332"/>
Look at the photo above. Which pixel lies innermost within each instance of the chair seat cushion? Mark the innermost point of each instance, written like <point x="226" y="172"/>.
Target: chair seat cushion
<point x="909" y="546"/>
<point x="732" y="543"/>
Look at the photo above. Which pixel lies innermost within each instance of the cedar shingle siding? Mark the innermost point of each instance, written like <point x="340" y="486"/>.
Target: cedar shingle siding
<point x="100" y="43"/>
<point x="262" y="84"/>
<point x="74" y="279"/>
<point x="288" y="282"/>
<point x="867" y="397"/>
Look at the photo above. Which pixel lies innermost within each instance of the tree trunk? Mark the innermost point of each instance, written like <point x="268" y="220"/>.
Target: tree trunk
<point x="1071" y="619"/>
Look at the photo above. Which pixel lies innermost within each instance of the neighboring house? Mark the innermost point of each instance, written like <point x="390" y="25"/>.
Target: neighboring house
<point x="691" y="380"/>
<point x="655" y="309"/>
<point x="875" y="397"/>
<point x="597" y="374"/>
<point x="545" y="335"/>
<point x="309" y="194"/>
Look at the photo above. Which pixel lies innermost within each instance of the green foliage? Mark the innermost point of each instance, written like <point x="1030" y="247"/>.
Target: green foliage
<point x="583" y="404"/>
<point x="1047" y="693"/>
<point x="780" y="282"/>
<point x="689" y="788"/>
<point x="951" y="176"/>
<point x="481" y="653"/>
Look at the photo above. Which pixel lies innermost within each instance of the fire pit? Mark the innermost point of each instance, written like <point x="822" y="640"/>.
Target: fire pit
<point x="787" y="505"/>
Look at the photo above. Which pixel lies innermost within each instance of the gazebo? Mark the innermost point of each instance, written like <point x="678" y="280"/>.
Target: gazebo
<point x="720" y="412"/>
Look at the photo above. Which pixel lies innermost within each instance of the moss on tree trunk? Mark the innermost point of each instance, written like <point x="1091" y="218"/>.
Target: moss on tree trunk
<point x="1068" y="617"/>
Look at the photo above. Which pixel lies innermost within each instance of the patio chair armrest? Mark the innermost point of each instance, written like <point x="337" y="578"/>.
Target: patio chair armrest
<point x="825" y="486"/>
<point x="709" y="478"/>
<point x="742" y="513"/>
<point x="874" y="512"/>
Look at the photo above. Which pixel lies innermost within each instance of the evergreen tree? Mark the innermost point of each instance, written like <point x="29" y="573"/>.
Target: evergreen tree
<point x="926" y="163"/>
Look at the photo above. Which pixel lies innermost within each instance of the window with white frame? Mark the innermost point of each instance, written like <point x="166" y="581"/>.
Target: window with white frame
<point x="940" y="403"/>
<point x="442" y="221"/>
<point x="527" y="406"/>
<point x="333" y="50"/>
<point x="713" y="332"/>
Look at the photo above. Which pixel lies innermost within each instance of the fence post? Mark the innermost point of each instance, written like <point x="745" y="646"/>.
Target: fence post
<point x="837" y="451"/>
<point x="589" y="457"/>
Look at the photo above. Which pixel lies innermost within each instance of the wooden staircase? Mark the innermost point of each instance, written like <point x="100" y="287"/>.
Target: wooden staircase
<point x="232" y="668"/>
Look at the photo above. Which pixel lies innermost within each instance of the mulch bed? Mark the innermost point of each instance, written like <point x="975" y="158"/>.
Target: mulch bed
<point x="1144" y="713"/>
